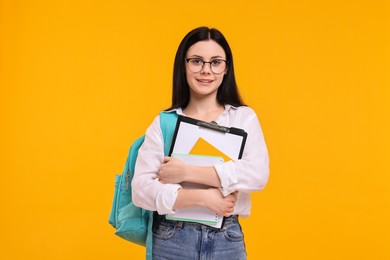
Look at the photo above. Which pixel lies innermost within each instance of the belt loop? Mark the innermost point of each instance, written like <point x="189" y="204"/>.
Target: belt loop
<point x="179" y="224"/>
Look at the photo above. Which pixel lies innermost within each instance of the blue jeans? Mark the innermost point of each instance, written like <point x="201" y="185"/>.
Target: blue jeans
<point x="186" y="240"/>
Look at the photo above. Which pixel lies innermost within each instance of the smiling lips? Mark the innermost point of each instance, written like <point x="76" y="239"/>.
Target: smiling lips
<point x="206" y="81"/>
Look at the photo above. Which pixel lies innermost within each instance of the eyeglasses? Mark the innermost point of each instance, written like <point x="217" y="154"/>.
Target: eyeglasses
<point x="195" y="65"/>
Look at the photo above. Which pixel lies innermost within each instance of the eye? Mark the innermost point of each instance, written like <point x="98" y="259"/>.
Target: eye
<point x="216" y="62"/>
<point x="196" y="61"/>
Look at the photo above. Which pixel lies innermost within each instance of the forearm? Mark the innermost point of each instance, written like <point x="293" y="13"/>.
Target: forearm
<point x="203" y="175"/>
<point x="210" y="198"/>
<point x="189" y="198"/>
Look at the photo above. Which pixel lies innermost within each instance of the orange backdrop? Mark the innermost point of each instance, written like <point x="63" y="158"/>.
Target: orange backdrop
<point x="80" y="80"/>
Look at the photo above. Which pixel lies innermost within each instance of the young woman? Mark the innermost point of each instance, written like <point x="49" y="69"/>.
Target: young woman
<point x="204" y="88"/>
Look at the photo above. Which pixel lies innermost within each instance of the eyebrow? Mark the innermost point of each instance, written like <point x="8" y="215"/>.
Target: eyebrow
<point x="200" y="57"/>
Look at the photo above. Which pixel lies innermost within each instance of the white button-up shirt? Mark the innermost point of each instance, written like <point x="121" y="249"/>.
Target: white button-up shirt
<point x="248" y="174"/>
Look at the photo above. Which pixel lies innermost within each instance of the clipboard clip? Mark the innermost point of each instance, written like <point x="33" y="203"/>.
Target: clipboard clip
<point x="213" y="126"/>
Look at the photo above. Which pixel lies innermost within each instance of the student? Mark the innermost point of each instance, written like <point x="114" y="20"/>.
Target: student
<point x="204" y="88"/>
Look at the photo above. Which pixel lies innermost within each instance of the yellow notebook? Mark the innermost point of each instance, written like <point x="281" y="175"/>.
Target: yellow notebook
<point x="205" y="148"/>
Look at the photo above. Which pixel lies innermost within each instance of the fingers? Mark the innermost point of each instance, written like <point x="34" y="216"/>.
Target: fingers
<point x="232" y="197"/>
<point x="231" y="203"/>
<point x="167" y="159"/>
<point x="228" y="212"/>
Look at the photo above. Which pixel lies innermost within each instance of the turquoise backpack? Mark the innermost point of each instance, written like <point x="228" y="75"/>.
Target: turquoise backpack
<point x="131" y="222"/>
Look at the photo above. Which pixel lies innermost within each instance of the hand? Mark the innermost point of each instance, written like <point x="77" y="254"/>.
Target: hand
<point x="216" y="202"/>
<point x="172" y="171"/>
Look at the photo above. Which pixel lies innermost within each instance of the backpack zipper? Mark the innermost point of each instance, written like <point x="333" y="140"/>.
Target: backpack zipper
<point x="127" y="180"/>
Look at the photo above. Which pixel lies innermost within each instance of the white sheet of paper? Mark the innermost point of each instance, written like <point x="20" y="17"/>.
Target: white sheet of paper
<point x="197" y="214"/>
<point x="189" y="134"/>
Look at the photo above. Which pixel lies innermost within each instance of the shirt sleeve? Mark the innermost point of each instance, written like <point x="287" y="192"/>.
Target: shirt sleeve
<point x="251" y="172"/>
<point x="148" y="193"/>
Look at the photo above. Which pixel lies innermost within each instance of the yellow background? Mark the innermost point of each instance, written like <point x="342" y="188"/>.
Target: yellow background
<point x="80" y="80"/>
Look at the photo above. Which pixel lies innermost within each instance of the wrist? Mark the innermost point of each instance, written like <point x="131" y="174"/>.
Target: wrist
<point x="187" y="172"/>
<point x="202" y="197"/>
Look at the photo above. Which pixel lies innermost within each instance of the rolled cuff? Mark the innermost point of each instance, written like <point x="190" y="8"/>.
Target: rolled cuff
<point x="227" y="176"/>
<point x="166" y="198"/>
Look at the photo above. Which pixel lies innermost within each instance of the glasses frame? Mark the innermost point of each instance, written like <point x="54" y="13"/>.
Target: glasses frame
<point x="204" y="62"/>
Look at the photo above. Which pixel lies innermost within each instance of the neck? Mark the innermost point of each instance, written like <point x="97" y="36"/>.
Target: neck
<point x="205" y="108"/>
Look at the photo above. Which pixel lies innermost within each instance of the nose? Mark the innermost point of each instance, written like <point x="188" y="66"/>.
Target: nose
<point x="206" y="68"/>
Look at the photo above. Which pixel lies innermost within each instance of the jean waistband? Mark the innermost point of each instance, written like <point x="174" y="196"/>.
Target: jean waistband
<point x="179" y="223"/>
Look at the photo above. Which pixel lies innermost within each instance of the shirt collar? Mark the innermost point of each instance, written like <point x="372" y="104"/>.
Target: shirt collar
<point x="179" y="110"/>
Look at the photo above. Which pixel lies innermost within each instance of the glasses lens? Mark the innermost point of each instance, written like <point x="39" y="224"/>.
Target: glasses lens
<point x="195" y="65"/>
<point x="218" y="66"/>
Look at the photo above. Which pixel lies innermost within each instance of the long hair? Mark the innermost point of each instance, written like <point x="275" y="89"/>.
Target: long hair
<point x="227" y="91"/>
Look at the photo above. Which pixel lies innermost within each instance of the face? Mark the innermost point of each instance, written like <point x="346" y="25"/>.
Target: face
<point x="205" y="82"/>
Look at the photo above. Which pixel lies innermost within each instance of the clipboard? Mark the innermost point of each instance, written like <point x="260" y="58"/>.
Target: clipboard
<point x="227" y="141"/>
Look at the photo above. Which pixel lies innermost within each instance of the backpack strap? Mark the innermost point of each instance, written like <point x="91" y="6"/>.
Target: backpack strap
<point x="168" y="122"/>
